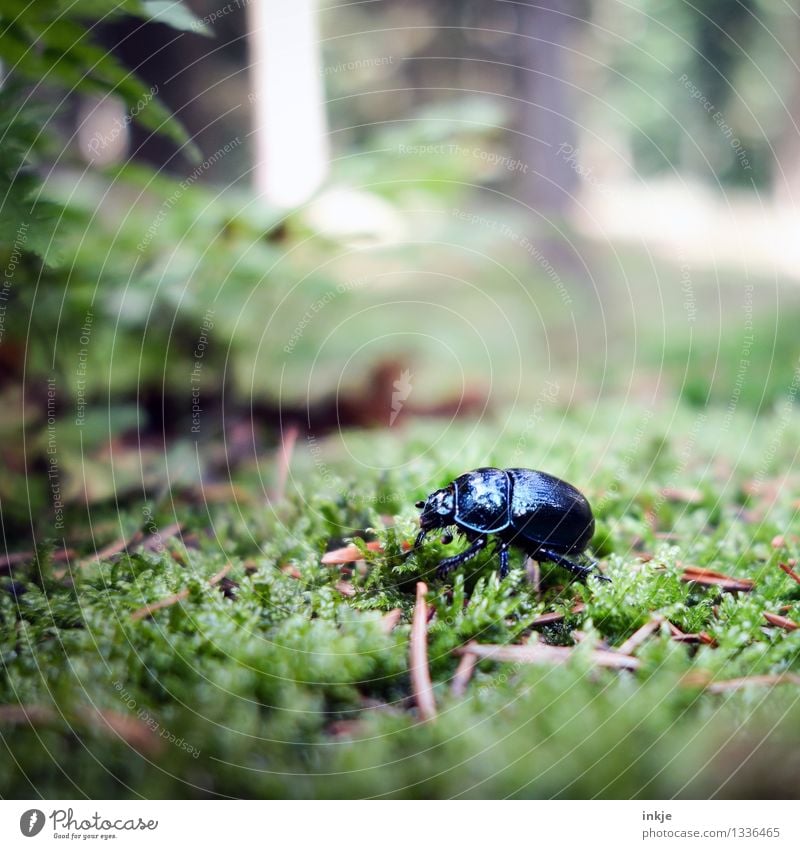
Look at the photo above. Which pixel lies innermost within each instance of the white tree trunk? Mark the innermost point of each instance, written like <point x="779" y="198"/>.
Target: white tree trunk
<point x="290" y="132"/>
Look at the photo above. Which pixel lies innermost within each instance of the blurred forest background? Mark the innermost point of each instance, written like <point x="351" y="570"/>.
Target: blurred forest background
<point x="522" y="207"/>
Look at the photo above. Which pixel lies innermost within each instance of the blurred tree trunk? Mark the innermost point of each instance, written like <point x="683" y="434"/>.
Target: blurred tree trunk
<point x="786" y="173"/>
<point x="289" y="126"/>
<point x="546" y="29"/>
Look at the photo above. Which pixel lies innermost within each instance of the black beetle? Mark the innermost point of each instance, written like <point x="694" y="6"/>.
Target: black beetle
<point x="544" y="516"/>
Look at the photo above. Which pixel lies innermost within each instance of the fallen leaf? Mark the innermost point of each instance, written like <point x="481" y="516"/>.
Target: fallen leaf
<point x="348" y="554"/>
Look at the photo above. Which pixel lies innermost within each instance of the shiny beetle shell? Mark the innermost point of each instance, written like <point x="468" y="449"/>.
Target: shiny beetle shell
<point x="546" y="517"/>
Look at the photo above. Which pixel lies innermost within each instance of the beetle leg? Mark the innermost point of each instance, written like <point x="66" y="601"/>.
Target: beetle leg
<point x="597" y="573"/>
<point x="580" y="572"/>
<point x="450" y="563"/>
<point x="502" y="550"/>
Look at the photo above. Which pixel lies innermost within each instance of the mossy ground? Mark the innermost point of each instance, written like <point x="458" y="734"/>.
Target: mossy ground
<point x="293" y="688"/>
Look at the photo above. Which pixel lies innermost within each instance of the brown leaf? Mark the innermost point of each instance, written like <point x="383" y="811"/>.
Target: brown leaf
<point x="345" y="588"/>
<point x="707" y="577"/>
<point x="348" y="554"/>
<point x="781" y="621"/>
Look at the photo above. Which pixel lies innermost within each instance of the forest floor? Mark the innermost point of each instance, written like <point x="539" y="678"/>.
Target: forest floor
<point x="237" y="647"/>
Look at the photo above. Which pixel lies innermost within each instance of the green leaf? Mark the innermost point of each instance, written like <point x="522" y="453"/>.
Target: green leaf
<point x="175" y="15"/>
<point x="50" y="43"/>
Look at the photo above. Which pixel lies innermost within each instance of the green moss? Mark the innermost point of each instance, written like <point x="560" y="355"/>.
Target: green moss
<point x="291" y="682"/>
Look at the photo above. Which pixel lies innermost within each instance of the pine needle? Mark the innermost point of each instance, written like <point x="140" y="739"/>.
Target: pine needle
<point x="541" y="653"/>
<point x="781" y="621"/>
<point x="640" y="636"/>
<point x="789" y="571"/>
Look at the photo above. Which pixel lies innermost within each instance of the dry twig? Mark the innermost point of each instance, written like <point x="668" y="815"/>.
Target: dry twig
<point x="789" y="571"/>
<point x="150" y="609"/>
<point x="701" y="637"/>
<point x="541" y="653"/>
<point x="550" y="618"/>
<point x="707" y="577"/>
<point x="639" y="636"/>
<point x="15" y="558"/>
<point x="131" y="729"/>
<point x="146" y="540"/>
<point x="701" y="680"/>
<point x="345" y="588"/>
<point x="391" y="620"/>
<point x="284" y="461"/>
<point x="534" y="573"/>
<point x="418" y="663"/>
<point x="461" y="679"/>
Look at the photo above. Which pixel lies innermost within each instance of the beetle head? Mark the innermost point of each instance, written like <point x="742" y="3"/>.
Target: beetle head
<point x="438" y="509"/>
